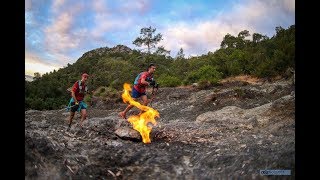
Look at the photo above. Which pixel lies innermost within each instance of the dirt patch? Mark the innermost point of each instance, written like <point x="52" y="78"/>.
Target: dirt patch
<point x="243" y="78"/>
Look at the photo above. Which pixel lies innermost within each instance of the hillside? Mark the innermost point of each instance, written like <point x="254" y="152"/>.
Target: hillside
<point x="231" y="130"/>
<point x="261" y="57"/>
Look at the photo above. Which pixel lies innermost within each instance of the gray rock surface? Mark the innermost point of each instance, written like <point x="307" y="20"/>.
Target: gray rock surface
<point x="225" y="132"/>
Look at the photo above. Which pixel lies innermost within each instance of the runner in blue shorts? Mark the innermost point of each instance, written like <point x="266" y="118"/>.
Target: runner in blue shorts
<point x="141" y="82"/>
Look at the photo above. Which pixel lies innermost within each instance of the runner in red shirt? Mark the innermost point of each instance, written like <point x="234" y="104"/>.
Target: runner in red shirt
<point x="79" y="89"/>
<point x="141" y="82"/>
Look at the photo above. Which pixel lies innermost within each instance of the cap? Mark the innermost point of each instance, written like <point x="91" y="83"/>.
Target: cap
<point x="85" y="75"/>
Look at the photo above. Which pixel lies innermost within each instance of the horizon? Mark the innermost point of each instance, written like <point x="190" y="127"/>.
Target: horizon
<point x="60" y="32"/>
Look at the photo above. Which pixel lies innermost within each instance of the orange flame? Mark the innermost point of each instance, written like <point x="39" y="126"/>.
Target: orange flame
<point x="140" y="122"/>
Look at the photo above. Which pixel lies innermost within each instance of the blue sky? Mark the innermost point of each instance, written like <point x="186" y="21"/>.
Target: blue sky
<point x="58" y="32"/>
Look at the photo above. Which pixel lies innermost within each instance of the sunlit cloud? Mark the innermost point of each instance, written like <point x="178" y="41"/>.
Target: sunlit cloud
<point x="204" y="36"/>
<point x="27" y="5"/>
<point x="100" y="7"/>
<point x="58" y="37"/>
<point x="62" y="36"/>
<point x="57" y="4"/>
<point x="140" y="6"/>
<point x="33" y="64"/>
<point x="105" y="24"/>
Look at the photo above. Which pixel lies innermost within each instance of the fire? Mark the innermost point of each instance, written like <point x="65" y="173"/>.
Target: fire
<point x="140" y="122"/>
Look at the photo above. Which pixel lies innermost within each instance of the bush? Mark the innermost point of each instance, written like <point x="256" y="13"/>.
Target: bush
<point x="102" y="89"/>
<point x="206" y="74"/>
<point x="87" y="99"/>
<point x="106" y="92"/>
<point x="168" y="81"/>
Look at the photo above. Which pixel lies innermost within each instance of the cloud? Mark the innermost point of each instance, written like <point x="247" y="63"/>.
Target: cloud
<point x="100" y="6"/>
<point x="57" y="4"/>
<point x="138" y="6"/>
<point x="34" y="63"/>
<point x="58" y="35"/>
<point x="201" y="37"/>
<point x="76" y="26"/>
<point x="289" y="5"/>
<point x="259" y="13"/>
<point x="104" y="24"/>
<point x="62" y="35"/>
<point x="106" y="19"/>
<point x="27" y="5"/>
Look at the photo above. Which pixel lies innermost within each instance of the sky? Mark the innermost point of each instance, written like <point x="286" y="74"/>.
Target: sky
<point x="58" y="32"/>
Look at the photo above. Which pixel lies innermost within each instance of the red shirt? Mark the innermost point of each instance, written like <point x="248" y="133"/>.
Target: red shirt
<point x="141" y="88"/>
<point x="75" y="88"/>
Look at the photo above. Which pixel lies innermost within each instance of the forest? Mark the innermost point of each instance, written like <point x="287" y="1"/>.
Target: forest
<point x="109" y="68"/>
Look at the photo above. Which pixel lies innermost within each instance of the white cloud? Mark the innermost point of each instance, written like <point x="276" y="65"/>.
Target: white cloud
<point x="116" y="17"/>
<point x="104" y="24"/>
<point x="207" y="35"/>
<point x="58" y="36"/>
<point x="290" y="5"/>
<point x="100" y="6"/>
<point x="200" y="38"/>
<point x="61" y="36"/>
<point x="34" y="63"/>
<point x="105" y="21"/>
<point x="27" y="5"/>
<point x="140" y="6"/>
<point x="57" y="4"/>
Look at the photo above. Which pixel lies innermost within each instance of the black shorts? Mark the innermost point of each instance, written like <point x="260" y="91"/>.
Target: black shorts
<point x="74" y="107"/>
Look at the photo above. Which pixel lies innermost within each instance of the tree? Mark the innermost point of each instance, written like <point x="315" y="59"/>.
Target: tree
<point x="162" y="51"/>
<point x="36" y="75"/>
<point x="256" y="37"/>
<point x="243" y="34"/>
<point x="180" y="54"/>
<point x="279" y="30"/>
<point x="147" y="38"/>
<point x="228" y="41"/>
<point x="241" y="41"/>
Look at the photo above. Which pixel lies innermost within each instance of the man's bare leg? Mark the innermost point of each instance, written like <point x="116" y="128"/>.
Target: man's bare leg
<point x="145" y="102"/>
<point x="123" y="113"/>
<point x="83" y="116"/>
<point x="70" y="119"/>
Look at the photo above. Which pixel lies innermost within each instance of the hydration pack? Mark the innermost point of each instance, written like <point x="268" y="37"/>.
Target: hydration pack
<point x="136" y="80"/>
<point x="80" y="88"/>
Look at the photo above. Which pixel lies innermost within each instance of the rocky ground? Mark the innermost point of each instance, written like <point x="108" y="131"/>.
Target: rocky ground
<point x="233" y="130"/>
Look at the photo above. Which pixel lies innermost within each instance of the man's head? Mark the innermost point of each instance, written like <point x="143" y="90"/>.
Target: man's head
<point x="151" y="68"/>
<point x="84" y="77"/>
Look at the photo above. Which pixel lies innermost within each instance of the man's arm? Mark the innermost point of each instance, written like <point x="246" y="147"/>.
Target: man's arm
<point x="144" y="81"/>
<point x="74" y="97"/>
<point x="73" y="90"/>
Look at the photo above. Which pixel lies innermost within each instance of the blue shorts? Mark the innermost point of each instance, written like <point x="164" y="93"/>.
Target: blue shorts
<point x="136" y="94"/>
<point x="73" y="108"/>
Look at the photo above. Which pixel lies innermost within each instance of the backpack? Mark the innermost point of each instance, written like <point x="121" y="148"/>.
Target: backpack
<point x="80" y="88"/>
<point x="136" y="80"/>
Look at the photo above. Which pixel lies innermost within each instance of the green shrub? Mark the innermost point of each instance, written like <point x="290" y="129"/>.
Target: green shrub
<point x="87" y="99"/>
<point x="206" y="74"/>
<point x="102" y="89"/>
<point x="106" y="92"/>
<point x="239" y="92"/>
<point x="168" y="81"/>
